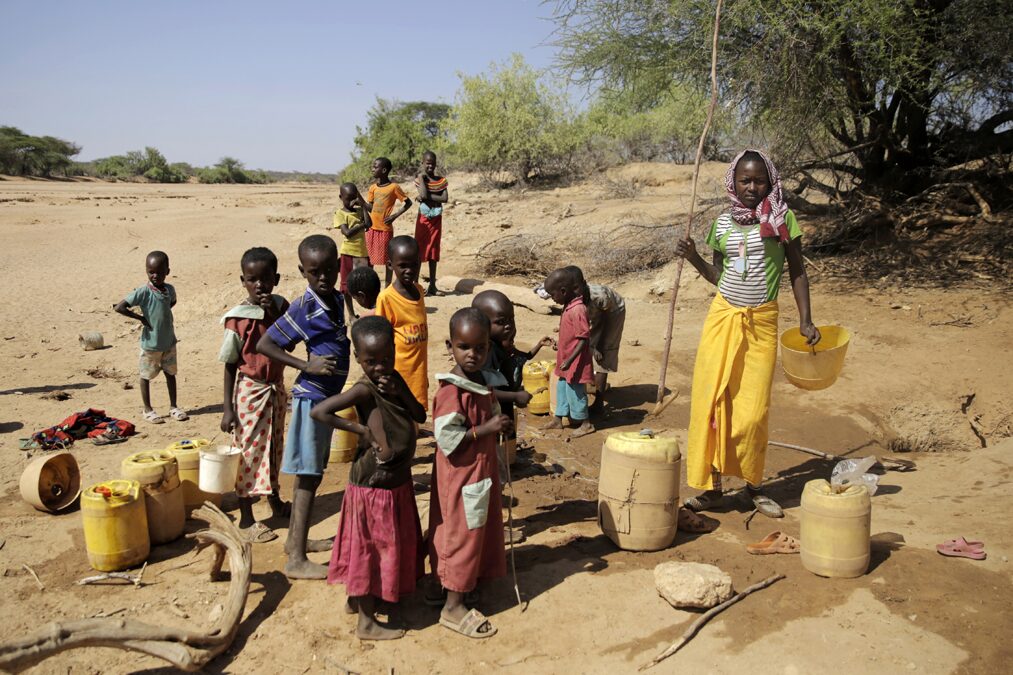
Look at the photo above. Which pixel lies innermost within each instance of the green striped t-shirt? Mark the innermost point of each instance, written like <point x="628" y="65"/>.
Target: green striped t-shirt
<point x="758" y="280"/>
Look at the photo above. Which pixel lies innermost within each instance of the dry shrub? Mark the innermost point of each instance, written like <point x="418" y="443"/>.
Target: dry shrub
<point x="619" y="187"/>
<point x="627" y="249"/>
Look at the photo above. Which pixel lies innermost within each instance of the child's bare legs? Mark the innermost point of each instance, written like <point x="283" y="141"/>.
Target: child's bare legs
<point x="279" y="508"/>
<point x="170" y="384"/>
<point x="432" y="279"/>
<point x="298" y="565"/>
<point x="145" y="388"/>
<point x="246" y="518"/>
<point x="601" y="382"/>
<point x="369" y="628"/>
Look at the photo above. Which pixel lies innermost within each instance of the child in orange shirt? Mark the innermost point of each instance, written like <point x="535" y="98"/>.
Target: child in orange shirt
<point x="381" y="197"/>
<point x="402" y="303"/>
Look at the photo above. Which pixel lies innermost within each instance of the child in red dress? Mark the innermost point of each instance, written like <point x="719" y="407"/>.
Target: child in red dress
<point x="465" y="521"/>
<point x="378" y="549"/>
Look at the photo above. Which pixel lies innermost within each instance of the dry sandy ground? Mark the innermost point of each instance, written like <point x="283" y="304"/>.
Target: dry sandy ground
<point x="71" y="250"/>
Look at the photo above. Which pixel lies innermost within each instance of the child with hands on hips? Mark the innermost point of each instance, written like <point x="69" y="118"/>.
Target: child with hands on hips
<point x="255" y="400"/>
<point x="378" y="548"/>
<point x="465" y="520"/>
<point x="316" y="318"/>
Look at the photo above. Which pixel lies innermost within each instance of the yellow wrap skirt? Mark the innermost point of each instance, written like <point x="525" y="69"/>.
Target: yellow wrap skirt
<point x="731" y="393"/>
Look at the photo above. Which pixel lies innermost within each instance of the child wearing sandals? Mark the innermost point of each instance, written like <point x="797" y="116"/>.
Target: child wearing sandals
<point x="465" y="521"/>
<point x="255" y="399"/>
<point x="158" y="339"/>
<point x="378" y="548"/>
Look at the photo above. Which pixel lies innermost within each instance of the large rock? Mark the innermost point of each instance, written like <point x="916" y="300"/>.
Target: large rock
<point x="687" y="584"/>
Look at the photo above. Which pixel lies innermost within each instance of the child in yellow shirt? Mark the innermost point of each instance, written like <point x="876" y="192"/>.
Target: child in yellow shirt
<point x="403" y="304"/>
<point x="353" y="221"/>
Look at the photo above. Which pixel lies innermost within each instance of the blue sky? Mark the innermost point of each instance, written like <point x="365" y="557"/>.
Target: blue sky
<point x="276" y="84"/>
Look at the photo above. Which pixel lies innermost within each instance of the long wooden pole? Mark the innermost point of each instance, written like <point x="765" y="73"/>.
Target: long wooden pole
<point x="692" y="207"/>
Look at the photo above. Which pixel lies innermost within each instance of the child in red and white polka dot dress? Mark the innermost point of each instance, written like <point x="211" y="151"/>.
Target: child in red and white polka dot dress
<point x="255" y="399"/>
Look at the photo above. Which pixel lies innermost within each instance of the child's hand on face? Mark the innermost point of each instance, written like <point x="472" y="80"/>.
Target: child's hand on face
<point x="387" y="385"/>
<point x="320" y="365"/>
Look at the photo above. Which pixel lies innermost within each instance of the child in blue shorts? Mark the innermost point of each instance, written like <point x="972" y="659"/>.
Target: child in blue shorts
<point x="316" y="318"/>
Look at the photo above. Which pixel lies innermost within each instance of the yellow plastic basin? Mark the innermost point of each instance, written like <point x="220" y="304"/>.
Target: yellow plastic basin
<point x="811" y="370"/>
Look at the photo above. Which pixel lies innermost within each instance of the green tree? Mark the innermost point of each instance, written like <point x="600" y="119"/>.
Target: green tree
<point x="25" y="155"/>
<point x="895" y="88"/>
<point x="399" y="131"/>
<point x="509" y="119"/>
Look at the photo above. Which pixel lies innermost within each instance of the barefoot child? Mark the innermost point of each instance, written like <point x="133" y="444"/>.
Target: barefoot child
<point x="316" y="318"/>
<point x="465" y="522"/>
<point x="378" y="549"/>
<point x="158" y="339"/>
<point x="353" y="221"/>
<point x="255" y="386"/>
<point x="381" y="198"/>
<point x="429" y="223"/>
<point x="606" y="312"/>
<point x="573" y="359"/>
<point x="402" y="304"/>
<point x="364" y="287"/>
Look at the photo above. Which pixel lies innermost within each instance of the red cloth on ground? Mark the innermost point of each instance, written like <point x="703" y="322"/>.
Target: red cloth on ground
<point x="376" y="245"/>
<point x="378" y="549"/>
<point x="460" y="557"/>
<point x="88" y="424"/>
<point x="574" y="325"/>
<point x="428" y="232"/>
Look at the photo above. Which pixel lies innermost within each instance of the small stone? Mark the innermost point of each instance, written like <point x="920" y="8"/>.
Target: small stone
<point x="216" y="613"/>
<point x="1004" y="559"/>
<point x="687" y="584"/>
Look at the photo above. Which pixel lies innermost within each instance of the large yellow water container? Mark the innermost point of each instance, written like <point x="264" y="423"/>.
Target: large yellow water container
<point x="535" y="376"/>
<point x="343" y="443"/>
<point x="554" y="382"/>
<point x="158" y="473"/>
<point x="638" y="490"/>
<point x="187" y="454"/>
<point x="836" y="527"/>
<point x="115" y="525"/>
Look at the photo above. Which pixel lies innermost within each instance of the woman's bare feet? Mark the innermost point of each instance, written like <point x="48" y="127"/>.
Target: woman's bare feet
<point x="319" y="545"/>
<point x="304" y="569"/>
<point x="369" y="628"/>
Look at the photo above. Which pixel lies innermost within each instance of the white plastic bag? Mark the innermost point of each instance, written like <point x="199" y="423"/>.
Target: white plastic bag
<point x="853" y="472"/>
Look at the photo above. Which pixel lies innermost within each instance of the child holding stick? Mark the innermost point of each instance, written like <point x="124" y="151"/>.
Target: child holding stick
<point x="465" y="521"/>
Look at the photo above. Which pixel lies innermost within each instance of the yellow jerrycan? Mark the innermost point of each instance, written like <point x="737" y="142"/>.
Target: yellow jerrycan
<point x="638" y="490"/>
<point x="343" y="443"/>
<point x="836" y="528"/>
<point x="187" y="454"/>
<point x="158" y="474"/>
<point x="115" y="525"/>
<point x="535" y="377"/>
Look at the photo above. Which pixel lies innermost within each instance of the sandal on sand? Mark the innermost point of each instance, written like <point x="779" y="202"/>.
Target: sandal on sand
<point x="108" y="438"/>
<point x="705" y="501"/>
<point x="766" y="505"/>
<point x="153" y="417"/>
<point x="693" y="524"/>
<point x="259" y="533"/>
<point x="961" y="548"/>
<point x="471" y="625"/>
<point x="775" y="542"/>
<point x="178" y="414"/>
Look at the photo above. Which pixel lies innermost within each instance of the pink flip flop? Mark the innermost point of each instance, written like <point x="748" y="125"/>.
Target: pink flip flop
<point x="961" y="548"/>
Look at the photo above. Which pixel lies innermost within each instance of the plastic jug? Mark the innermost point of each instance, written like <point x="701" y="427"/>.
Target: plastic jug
<point x="158" y="474"/>
<point x="638" y="490"/>
<point x="115" y="525"/>
<point x="535" y="376"/>
<point x="343" y="443"/>
<point x="187" y="454"/>
<point x="836" y="528"/>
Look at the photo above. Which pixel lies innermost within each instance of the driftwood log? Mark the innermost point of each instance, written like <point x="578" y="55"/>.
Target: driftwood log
<point x="184" y="649"/>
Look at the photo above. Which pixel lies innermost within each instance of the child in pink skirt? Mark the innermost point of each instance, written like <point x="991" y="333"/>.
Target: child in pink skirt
<point x="378" y="550"/>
